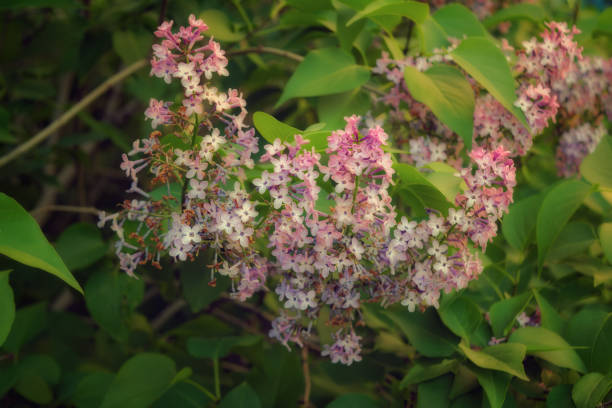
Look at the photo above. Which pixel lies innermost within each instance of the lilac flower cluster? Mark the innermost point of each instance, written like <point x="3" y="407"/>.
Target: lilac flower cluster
<point x="355" y="252"/>
<point x="207" y="160"/>
<point x="575" y="145"/>
<point x="544" y="67"/>
<point x="586" y="97"/>
<point x="327" y="218"/>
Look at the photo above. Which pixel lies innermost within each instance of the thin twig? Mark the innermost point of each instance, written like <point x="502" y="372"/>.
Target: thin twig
<point x="233" y="320"/>
<point x="306" y="371"/>
<point x="162" y="12"/>
<point x="266" y="50"/>
<point x="253" y="308"/>
<point x="66" y="117"/>
<point x="373" y="89"/>
<point x="167" y="314"/>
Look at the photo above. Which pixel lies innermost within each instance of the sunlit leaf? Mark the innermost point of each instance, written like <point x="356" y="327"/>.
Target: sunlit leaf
<point x="597" y="167"/>
<point x="480" y="58"/>
<point x="504" y="312"/>
<point x="506" y="357"/>
<point x="445" y="91"/>
<point x="324" y="71"/>
<point x="458" y="21"/>
<point x="548" y="345"/>
<point x="414" y="10"/>
<point x="520" y="11"/>
<point x="591" y="389"/>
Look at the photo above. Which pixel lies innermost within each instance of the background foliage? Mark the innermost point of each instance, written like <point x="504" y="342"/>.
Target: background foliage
<point x="171" y="338"/>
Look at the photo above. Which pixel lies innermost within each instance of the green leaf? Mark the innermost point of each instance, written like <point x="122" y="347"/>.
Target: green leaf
<point x="465" y="381"/>
<point x="22" y="240"/>
<point x="422" y="192"/>
<point x="219" y="26"/>
<point x="591" y="389"/>
<point x="353" y="401"/>
<point x="558" y="206"/>
<point x="243" y="396"/>
<point x="42" y="365"/>
<point x="521" y="11"/>
<point x="550" y="317"/>
<point x="495" y="385"/>
<point x="605" y="237"/>
<point x="183" y="395"/>
<point x="333" y="108"/>
<point x="277" y="376"/>
<point x="424" y="331"/>
<point x="423" y="372"/>
<point x="293" y="18"/>
<point x="347" y="35"/>
<point x="132" y="46"/>
<point x="471" y="400"/>
<point x="29" y="322"/>
<point x="560" y="396"/>
<point x="5" y="133"/>
<point x="218" y="347"/>
<point x="431" y="36"/>
<point x="549" y="346"/>
<point x="480" y="58"/>
<point x="594" y="268"/>
<point x="272" y="129"/>
<point x="197" y="288"/>
<point x="604" y="23"/>
<point x="503" y="313"/>
<point x="140" y="381"/>
<point x="445" y="91"/>
<point x="324" y="71"/>
<point x="416" y="11"/>
<point x="576" y="237"/>
<point x="9" y="374"/>
<point x="18" y="4"/>
<point x="601" y="355"/>
<point x="91" y="389"/>
<point x="458" y="21"/>
<point x="7" y="306"/>
<point x="597" y="167"/>
<point x="311" y="6"/>
<point x="582" y="329"/>
<point x="434" y="393"/>
<point x="445" y="179"/>
<point x="461" y="315"/>
<point x="81" y="245"/>
<point x="507" y="357"/>
<point x="34" y="388"/>
<point x="110" y="298"/>
<point x="518" y="225"/>
<point x="36" y="372"/>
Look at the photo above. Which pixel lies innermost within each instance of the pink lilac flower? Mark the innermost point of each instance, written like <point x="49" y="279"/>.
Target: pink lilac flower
<point x="575" y="145"/>
<point x="330" y="224"/>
